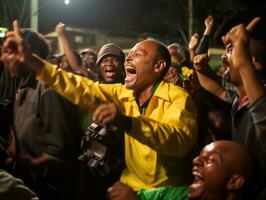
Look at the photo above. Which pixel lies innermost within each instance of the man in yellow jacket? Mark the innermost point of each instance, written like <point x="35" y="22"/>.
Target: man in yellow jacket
<point x="159" y="119"/>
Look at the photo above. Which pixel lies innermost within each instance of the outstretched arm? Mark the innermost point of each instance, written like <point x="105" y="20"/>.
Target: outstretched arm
<point x="67" y="84"/>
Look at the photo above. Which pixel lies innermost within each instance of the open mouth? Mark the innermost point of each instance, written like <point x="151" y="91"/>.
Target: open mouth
<point x="130" y="70"/>
<point x="199" y="179"/>
<point x="109" y="71"/>
<point x="130" y="73"/>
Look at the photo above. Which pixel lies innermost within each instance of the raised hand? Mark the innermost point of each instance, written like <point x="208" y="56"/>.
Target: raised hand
<point x="21" y="49"/>
<point x="14" y="41"/>
<point x="238" y="37"/>
<point x="208" y="25"/>
<point x="60" y="29"/>
<point x="194" y="40"/>
<point x="200" y="62"/>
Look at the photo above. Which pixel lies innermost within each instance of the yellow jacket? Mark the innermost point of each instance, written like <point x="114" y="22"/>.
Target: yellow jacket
<point x="158" y="145"/>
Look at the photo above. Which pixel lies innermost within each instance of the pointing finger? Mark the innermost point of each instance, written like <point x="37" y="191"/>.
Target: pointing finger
<point x="250" y="27"/>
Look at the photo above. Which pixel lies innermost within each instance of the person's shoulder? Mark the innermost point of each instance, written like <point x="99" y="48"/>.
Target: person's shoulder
<point x="175" y="90"/>
<point x="7" y="181"/>
<point x="14" y="188"/>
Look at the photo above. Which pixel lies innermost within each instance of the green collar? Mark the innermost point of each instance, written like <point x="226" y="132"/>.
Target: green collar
<point x="143" y="108"/>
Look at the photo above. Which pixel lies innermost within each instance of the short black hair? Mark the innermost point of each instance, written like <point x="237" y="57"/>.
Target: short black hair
<point x="36" y="42"/>
<point x="164" y="54"/>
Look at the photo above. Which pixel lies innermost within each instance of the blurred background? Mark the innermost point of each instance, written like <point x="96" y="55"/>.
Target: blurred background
<point x="91" y="23"/>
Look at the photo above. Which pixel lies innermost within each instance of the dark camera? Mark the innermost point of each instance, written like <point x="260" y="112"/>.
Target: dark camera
<point x="95" y="147"/>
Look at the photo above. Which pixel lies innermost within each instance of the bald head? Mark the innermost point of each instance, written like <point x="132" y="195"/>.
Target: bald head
<point x="222" y="170"/>
<point x="162" y="52"/>
<point x="235" y="155"/>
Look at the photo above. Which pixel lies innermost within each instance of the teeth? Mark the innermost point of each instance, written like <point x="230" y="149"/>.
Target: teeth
<point x="197" y="174"/>
<point x="109" y="69"/>
<point x="129" y="67"/>
<point x="131" y="70"/>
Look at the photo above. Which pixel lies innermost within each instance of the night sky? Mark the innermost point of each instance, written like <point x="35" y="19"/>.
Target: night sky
<point x="132" y="16"/>
<point x="115" y="15"/>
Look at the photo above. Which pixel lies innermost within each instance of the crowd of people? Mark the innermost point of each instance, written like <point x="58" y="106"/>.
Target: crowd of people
<point x="155" y="124"/>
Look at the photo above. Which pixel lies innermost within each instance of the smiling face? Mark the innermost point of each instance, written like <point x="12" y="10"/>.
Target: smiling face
<point x="230" y="71"/>
<point x="143" y="66"/>
<point x="214" y="168"/>
<point x="111" y="69"/>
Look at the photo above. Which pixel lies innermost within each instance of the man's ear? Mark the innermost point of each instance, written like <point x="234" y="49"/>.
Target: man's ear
<point x="235" y="182"/>
<point x="160" y="65"/>
<point x="255" y="62"/>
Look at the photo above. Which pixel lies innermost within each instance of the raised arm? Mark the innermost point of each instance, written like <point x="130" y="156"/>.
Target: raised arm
<point x="200" y="63"/>
<point x="194" y="40"/>
<point x="204" y="42"/>
<point x="242" y="61"/>
<point x="72" y="59"/>
<point x="67" y="84"/>
<point x="238" y="36"/>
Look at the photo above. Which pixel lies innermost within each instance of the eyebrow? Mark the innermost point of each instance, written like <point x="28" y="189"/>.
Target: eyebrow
<point x="141" y="50"/>
<point x="218" y="153"/>
<point x="214" y="152"/>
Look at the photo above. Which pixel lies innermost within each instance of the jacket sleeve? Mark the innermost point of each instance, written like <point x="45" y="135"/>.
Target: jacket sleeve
<point x="257" y="111"/>
<point x="172" y="135"/>
<point x="203" y="45"/>
<point x="72" y="87"/>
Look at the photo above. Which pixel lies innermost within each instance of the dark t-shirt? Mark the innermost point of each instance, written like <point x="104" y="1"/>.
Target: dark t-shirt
<point x="249" y="128"/>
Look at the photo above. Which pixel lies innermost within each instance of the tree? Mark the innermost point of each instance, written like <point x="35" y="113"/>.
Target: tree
<point x="14" y="9"/>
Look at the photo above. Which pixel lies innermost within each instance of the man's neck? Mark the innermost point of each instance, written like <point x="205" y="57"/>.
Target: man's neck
<point x="241" y="91"/>
<point x="144" y="95"/>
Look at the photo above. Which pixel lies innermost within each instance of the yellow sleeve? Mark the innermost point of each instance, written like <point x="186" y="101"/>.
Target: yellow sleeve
<point x="79" y="90"/>
<point x="174" y="134"/>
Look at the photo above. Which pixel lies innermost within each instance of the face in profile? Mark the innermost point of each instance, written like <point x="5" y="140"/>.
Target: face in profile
<point x="227" y="65"/>
<point x="140" y="65"/>
<point x="213" y="169"/>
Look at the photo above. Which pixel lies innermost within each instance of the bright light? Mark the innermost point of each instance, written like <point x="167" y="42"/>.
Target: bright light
<point x="67" y="2"/>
